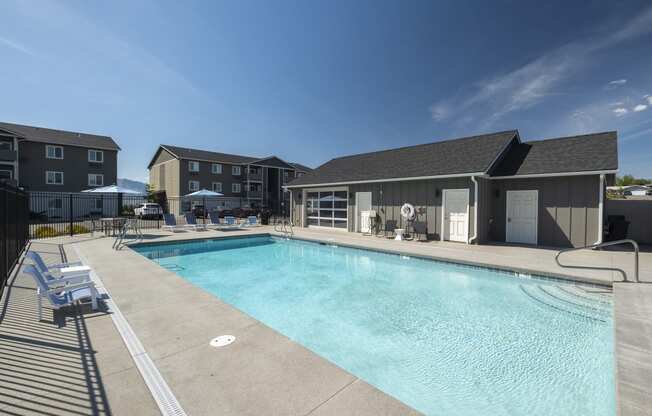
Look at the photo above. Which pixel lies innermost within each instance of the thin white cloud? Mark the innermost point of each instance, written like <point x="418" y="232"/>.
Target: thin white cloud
<point x="439" y="112"/>
<point x="620" y="111"/>
<point x="617" y="104"/>
<point x="640" y="107"/>
<point x="649" y="99"/>
<point x="532" y="83"/>
<point x="16" y="46"/>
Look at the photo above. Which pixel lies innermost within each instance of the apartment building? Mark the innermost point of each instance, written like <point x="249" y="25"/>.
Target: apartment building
<point x="243" y="180"/>
<point x="42" y="159"/>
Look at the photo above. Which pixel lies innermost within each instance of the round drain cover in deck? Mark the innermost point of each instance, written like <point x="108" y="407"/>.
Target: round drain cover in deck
<point x="222" y="340"/>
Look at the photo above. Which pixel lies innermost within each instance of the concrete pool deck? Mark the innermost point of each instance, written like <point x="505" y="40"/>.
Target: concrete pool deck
<point x="264" y="372"/>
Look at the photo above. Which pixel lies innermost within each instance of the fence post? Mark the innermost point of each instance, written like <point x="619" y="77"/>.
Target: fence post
<point x="70" y="213"/>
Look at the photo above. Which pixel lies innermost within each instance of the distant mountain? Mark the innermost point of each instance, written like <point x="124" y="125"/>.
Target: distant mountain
<point x="129" y="184"/>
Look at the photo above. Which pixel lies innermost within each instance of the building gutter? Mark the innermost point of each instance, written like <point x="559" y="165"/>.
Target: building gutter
<point x="414" y="178"/>
<point x="600" y="210"/>
<point x="475" y="210"/>
<point x="552" y="175"/>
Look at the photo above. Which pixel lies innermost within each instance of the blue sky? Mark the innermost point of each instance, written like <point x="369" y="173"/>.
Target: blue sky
<point x="309" y="81"/>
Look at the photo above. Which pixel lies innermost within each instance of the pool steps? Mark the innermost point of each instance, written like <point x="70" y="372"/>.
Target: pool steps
<point x="570" y="299"/>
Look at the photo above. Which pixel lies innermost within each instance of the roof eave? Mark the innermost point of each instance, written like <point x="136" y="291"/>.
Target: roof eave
<point x="412" y="178"/>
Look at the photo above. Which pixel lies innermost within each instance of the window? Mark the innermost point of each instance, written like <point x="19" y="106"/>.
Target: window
<point x="327" y="209"/>
<point x="193" y="166"/>
<point x="216" y="168"/>
<point x="55" y="203"/>
<point x="53" y="178"/>
<point x="235" y="188"/>
<point x="235" y="170"/>
<point x="96" y="156"/>
<point x="95" y="179"/>
<point x="99" y="204"/>
<point x="6" y="174"/>
<point x="4" y="145"/>
<point x="217" y="186"/>
<point x="193" y="186"/>
<point x="53" y="152"/>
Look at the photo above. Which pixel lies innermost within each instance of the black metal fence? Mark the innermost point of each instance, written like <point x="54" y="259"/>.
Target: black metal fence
<point x="14" y="228"/>
<point x="53" y="214"/>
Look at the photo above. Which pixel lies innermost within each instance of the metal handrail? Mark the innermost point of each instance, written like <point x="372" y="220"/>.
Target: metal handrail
<point x="607" y="244"/>
<point x="284" y="223"/>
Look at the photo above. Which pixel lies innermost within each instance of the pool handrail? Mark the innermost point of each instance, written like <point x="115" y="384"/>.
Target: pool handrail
<point x="605" y="244"/>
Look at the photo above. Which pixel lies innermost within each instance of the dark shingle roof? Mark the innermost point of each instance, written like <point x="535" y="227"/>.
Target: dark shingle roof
<point x="60" y="137"/>
<point x="450" y="157"/>
<point x="186" y="153"/>
<point x="301" y="168"/>
<point x="590" y="152"/>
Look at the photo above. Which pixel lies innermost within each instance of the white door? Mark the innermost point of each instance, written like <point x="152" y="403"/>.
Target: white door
<point x="362" y="203"/>
<point x="522" y="216"/>
<point x="456" y="215"/>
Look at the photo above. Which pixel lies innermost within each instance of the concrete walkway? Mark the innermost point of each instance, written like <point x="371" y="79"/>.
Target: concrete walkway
<point x="263" y="372"/>
<point x="72" y="363"/>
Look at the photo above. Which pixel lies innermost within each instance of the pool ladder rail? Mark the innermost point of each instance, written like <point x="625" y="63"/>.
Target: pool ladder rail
<point x="606" y="244"/>
<point x="130" y="224"/>
<point x="284" y="227"/>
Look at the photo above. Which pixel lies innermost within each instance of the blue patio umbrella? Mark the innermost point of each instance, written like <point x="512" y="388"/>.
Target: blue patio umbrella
<point x="203" y="193"/>
<point x="113" y="189"/>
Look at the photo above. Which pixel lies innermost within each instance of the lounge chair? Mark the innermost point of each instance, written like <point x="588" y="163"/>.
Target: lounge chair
<point x="214" y="220"/>
<point x="252" y="221"/>
<point x="191" y="221"/>
<point x="388" y="230"/>
<point x="420" y="228"/>
<point x="60" y="274"/>
<point x="60" y="297"/>
<point x="171" y="223"/>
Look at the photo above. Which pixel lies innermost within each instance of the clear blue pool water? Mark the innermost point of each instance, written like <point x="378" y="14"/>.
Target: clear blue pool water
<point x="445" y="339"/>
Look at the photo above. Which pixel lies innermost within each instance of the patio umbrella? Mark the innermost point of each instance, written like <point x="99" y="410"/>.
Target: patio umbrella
<point x="203" y="193"/>
<point x="113" y="189"/>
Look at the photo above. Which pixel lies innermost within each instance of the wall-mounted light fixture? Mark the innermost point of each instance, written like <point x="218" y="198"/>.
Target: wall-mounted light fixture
<point x="437" y="192"/>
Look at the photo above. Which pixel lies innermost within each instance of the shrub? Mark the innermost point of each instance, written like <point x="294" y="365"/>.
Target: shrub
<point x="77" y="229"/>
<point x="45" y="232"/>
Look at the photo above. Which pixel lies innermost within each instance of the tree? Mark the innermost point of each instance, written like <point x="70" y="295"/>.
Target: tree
<point x="631" y="180"/>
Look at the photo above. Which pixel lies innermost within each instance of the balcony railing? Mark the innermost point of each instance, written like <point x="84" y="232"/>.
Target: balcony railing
<point x="8" y="155"/>
<point x="254" y="194"/>
<point x="255" y="176"/>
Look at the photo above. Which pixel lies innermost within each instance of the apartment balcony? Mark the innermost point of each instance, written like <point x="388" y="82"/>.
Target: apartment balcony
<point x="8" y="155"/>
<point x="258" y="177"/>
<point x="255" y="194"/>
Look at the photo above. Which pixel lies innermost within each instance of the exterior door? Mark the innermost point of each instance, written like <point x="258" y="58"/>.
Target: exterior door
<point x="456" y="215"/>
<point x="362" y="203"/>
<point x="522" y="217"/>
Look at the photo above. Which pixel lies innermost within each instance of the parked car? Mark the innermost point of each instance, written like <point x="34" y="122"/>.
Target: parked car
<point x="148" y="210"/>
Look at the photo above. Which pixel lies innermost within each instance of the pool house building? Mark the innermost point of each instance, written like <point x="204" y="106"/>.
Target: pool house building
<point x="486" y="188"/>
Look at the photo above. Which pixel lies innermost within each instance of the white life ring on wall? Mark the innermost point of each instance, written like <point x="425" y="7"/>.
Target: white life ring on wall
<point x="407" y="211"/>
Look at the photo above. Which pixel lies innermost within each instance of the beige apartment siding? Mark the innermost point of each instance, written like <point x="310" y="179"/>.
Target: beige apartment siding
<point x="165" y="177"/>
<point x="568" y="209"/>
<point x="426" y="196"/>
<point x="297" y="208"/>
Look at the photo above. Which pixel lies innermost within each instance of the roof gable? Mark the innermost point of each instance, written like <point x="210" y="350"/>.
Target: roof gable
<point x="273" y="161"/>
<point x="204" y="155"/>
<point x="585" y="153"/>
<point x="468" y="155"/>
<point x="60" y="137"/>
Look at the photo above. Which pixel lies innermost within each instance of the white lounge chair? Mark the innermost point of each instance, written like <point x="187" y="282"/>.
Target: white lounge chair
<point x="60" y="274"/>
<point x="59" y="297"/>
<point x="191" y="221"/>
<point x="171" y="223"/>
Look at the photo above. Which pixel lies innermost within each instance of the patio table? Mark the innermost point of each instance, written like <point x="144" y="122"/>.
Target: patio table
<point x="110" y="225"/>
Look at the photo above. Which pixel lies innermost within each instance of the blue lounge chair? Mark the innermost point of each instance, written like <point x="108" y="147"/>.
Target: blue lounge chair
<point x="60" y="274"/>
<point x="191" y="221"/>
<point x="252" y="221"/>
<point x="171" y="223"/>
<point x="59" y="297"/>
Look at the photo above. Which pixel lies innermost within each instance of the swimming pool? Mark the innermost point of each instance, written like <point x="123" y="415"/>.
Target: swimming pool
<point x="444" y="338"/>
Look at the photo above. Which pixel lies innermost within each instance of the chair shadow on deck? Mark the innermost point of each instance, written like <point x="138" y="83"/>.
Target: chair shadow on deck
<point x="47" y="367"/>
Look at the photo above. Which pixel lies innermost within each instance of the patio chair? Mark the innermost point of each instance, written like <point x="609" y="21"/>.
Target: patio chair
<point x="252" y="221"/>
<point x="214" y="220"/>
<point x="171" y="223"/>
<point x="60" y="274"/>
<point x="191" y="221"/>
<point x="388" y="229"/>
<point x="420" y="228"/>
<point x="59" y="297"/>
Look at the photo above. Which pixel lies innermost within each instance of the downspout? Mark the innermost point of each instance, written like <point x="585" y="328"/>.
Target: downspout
<point x="600" y="210"/>
<point x="475" y="211"/>
<point x="291" y="208"/>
